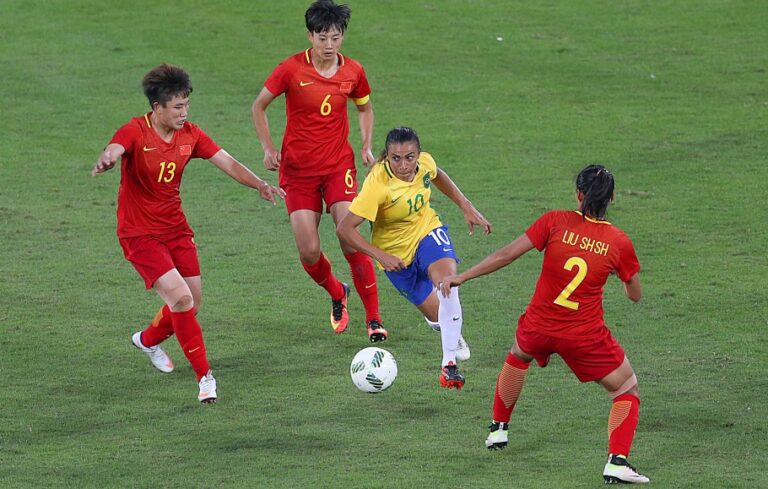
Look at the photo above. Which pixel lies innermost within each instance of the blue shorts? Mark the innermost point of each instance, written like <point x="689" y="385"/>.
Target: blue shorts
<point x="414" y="283"/>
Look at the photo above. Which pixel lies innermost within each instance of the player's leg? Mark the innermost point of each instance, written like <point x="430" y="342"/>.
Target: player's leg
<point x="304" y="224"/>
<point x="161" y="327"/>
<point x="621" y="385"/>
<point x="151" y="258"/>
<point x="175" y="291"/>
<point x="338" y="191"/>
<point x="509" y="384"/>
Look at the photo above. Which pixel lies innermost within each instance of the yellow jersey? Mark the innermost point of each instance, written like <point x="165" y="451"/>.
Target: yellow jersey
<point x="399" y="210"/>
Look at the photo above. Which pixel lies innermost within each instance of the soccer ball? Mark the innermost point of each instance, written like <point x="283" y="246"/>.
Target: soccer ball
<point x="373" y="369"/>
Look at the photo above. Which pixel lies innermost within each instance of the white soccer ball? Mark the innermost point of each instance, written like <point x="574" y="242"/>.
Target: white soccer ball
<point x="373" y="369"/>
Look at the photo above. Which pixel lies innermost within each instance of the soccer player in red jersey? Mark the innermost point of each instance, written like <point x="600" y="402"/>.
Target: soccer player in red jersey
<point x="153" y="231"/>
<point x="316" y="161"/>
<point x="565" y="315"/>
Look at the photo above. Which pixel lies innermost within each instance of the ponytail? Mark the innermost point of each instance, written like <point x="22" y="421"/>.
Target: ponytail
<point x="596" y="184"/>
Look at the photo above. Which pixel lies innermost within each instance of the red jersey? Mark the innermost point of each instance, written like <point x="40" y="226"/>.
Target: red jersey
<point x="148" y="202"/>
<point x="579" y="255"/>
<point x="316" y="131"/>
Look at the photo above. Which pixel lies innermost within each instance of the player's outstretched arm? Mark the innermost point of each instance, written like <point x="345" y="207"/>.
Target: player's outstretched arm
<point x="108" y="158"/>
<point x="239" y="172"/>
<point x="496" y="260"/>
<point x="348" y="233"/>
<point x="471" y="215"/>
<point x="259" y="115"/>
<point x="365" y="118"/>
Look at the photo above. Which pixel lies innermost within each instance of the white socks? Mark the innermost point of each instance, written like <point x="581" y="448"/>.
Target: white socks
<point x="450" y="319"/>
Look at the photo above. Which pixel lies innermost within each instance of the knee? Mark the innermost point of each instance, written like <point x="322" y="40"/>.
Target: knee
<point x="629" y="386"/>
<point x="185" y="303"/>
<point x="309" y="256"/>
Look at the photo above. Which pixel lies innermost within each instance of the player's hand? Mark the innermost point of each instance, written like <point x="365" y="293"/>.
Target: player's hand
<point x="447" y="283"/>
<point x="272" y="160"/>
<point x="391" y="263"/>
<point x="368" y="158"/>
<point x="473" y="218"/>
<point x="105" y="162"/>
<point x="268" y="192"/>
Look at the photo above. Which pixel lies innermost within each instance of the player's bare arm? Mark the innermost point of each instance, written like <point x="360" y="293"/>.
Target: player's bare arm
<point x="471" y="215"/>
<point x="632" y="288"/>
<point x="242" y="174"/>
<point x="108" y="158"/>
<point x="496" y="260"/>
<point x="365" y="118"/>
<point x="259" y="115"/>
<point x="348" y="233"/>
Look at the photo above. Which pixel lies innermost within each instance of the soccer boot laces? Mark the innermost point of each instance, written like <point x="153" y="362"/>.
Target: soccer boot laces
<point x="339" y="315"/>
<point x="207" y="384"/>
<point x="160" y="360"/>
<point x="376" y="331"/>
<point x="450" y="378"/>
<point x="619" y="471"/>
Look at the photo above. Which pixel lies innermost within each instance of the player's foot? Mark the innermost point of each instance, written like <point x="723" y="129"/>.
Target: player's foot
<point x="339" y="315"/>
<point x="207" y="385"/>
<point x="376" y="331"/>
<point x="619" y="471"/>
<point x="462" y="351"/>
<point x="498" y="437"/>
<point x="450" y="378"/>
<point x="160" y="359"/>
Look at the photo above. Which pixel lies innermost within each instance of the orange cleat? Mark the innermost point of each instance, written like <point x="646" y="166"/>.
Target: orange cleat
<point x="339" y="315"/>
<point x="450" y="378"/>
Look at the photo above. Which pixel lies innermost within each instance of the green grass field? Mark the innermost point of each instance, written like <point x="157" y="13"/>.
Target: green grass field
<point x="512" y="99"/>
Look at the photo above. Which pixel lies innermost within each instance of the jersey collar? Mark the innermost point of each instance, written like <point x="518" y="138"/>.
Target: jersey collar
<point x="596" y="221"/>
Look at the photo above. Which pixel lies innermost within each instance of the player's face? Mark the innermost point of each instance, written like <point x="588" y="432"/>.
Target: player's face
<point x="173" y="114"/>
<point x="403" y="158"/>
<point x="326" y="45"/>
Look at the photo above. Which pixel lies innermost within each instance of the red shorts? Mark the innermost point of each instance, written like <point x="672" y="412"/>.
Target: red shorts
<point x="590" y="358"/>
<point x="152" y="256"/>
<point x="310" y="192"/>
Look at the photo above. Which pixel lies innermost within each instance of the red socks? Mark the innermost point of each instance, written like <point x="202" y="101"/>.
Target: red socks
<point x="364" y="278"/>
<point x="622" y="423"/>
<point x="321" y="273"/>
<point x="159" y="329"/>
<point x="190" y="338"/>
<point x="508" y="387"/>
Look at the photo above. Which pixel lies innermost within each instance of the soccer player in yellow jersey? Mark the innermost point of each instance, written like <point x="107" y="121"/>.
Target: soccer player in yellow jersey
<point x="409" y="241"/>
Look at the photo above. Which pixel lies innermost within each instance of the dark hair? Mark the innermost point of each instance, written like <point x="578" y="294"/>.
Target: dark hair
<point x="164" y="82"/>
<point x="399" y="135"/>
<point x="324" y="15"/>
<point x="595" y="182"/>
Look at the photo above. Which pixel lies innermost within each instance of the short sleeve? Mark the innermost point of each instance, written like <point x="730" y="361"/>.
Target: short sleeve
<point x="428" y="164"/>
<point x="362" y="89"/>
<point x="540" y="231"/>
<point x="205" y="147"/>
<point x="277" y="82"/>
<point x="372" y="195"/>
<point x="127" y="136"/>
<point x="628" y="264"/>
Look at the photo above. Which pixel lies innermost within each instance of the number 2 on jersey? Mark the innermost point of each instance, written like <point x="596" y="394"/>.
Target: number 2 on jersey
<point x="167" y="172"/>
<point x="562" y="299"/>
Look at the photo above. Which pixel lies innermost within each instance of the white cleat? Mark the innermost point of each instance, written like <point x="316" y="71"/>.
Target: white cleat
<point x="498" y="438"/>
<point x="619" y="471"/>
<point x="462" y="350"/>
<point x="207" y="393"/>
<point x="160" y="359"/>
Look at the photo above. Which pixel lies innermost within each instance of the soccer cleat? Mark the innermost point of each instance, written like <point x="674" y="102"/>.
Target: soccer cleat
<point x="462" y="351"/>
<point x="450" y="378"/>
<point x="498" y="437"/>
<point x="160" y="359"/>
<point x="339" y="315"/>
<point x="376" y="331"/>
<point x="619" y="471"/>
<point x="207" y="385"/>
